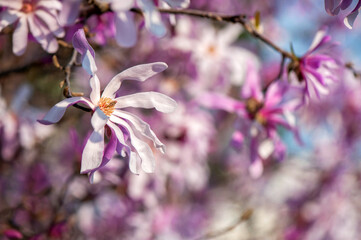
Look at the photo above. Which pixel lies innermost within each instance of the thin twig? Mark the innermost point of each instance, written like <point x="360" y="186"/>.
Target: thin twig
<point x="67" y="71"/>
<point x="241" y="19"/>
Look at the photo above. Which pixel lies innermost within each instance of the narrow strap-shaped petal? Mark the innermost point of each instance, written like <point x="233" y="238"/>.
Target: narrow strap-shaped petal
<point x="95" y="86"/>
<point x="7" y="17"/>
<point x="81" y="44"/>
<point x="20" y="37"/>
<point x="57" y="112"/>
<point x="153" y="20"/>
<point x="108" y="153"/>
<point x="50" y="22"/>
<point x="332" y="6"/>
<point x="134" y="159"/>
<point x="350" y="19"/>
<point x="319" y="39"/>
<point x="93" y="152"/>
<point x="123" y="5"/>
<point x="17" y="5"/>
<point x="69" y="12"/>
<point x="56" y="5"/>
<point x="50" y="43"/>
<point x="142" y="127"/>
<point x="252" y="86"/>
<point x="139" y="73"/>
<point x="99" y="119"/>
<point x="218" y="101"/>
<point x="142" y="148"/>
<point x="178" y="3"/>
<point x="275" y="93"/>
<point x="155" y="100"/>
<point x="126" y="31"/>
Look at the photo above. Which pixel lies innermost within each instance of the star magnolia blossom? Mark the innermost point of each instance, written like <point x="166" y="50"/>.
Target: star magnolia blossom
<point x="125" y="128"/>
<point x="38" y="16"/>
<point x="264" y="112"/>
<point x="318" y="67"/>
<point x="333" y="7"/>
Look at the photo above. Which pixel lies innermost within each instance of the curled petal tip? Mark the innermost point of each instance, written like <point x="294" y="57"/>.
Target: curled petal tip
<point x="159" y="67"/>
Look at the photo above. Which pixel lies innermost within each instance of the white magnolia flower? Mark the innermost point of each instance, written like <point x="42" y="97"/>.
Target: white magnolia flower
<point x="126" y="129"/>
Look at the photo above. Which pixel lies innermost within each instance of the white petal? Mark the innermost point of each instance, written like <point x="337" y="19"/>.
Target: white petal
<point x="126" y="32"/>
<point x="50" y="5"/>
<point x="14" y="4"/>
<point x="89" y="65"/>
<point x="57" y="112"/>
<point x="317" y="39"/>
<point x="99" y="119"/>
<point x="20" y="37"/>
<point x="153" y="20"/>
<point x="155" y="100"/>
<point x="7" y="18"/>
<point x="142" y="148"/>
<point x="51" y="22"/>
<point x="134" y="163"/>
<point x="93" y="151"/>
<point x="123" y="5"/>
<point x="141" y="127"/>
<point x="95" y="92"/>
<point x="138" y="73"/>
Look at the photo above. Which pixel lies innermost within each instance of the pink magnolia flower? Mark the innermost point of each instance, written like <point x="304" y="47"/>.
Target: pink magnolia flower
<point x="37" y="16"/>
<point x="333" y="8"/>
<point x="317" y="68"/>
<point x="125" y="129"/>
<point x="263" y="114"/>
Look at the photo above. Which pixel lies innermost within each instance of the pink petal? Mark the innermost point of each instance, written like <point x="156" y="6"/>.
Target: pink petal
<point x="126" y="32"/>
<point x="142" y="127"/>
<point x="57" y="112"/>
<point x="218" y="101"/>
<point x="138" y="73"/>
<point x="20" y="37"/>
<point x="252" y="85"/>
<point x="155" y="100"/>
<point x="256" y="168"/>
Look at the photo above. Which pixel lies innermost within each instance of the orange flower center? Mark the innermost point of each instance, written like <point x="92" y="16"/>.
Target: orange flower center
<point x="212" y="50"/>
<point x="27" y="7"/>
<point x="107" y="105"/>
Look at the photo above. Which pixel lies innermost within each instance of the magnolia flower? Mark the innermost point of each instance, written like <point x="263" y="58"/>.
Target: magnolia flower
<point x="333" y="7"/>
<point x="263" y="114"/>
<point x="318" y="67"/>
<point x="38" y="16"/>
<point x="125" y="129"/>
<point x="213" y="48"/>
